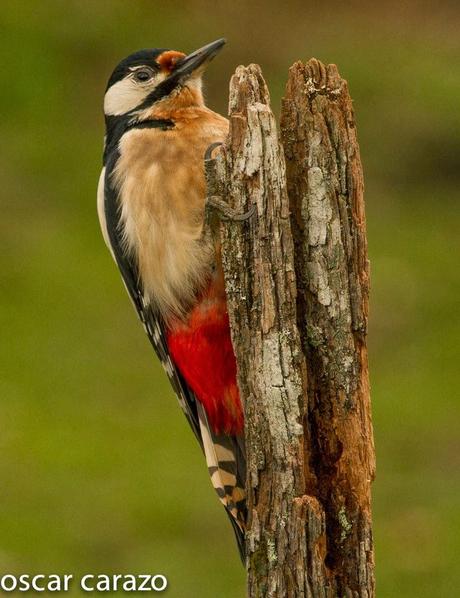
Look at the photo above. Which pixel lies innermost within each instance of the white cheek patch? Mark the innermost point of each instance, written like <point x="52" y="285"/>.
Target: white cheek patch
<point x="126" y="94"/>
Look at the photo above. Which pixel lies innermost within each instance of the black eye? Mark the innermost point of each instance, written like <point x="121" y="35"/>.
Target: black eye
<point x="142" y="75"/>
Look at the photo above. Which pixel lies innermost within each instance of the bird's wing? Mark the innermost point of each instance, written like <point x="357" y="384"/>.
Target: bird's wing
<point x="225" y="455"/>
<point x="111" y="229"/>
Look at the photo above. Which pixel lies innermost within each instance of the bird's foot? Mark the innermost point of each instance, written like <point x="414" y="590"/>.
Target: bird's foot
<point x="211" y="148"/>
<point x="225" y="211"/>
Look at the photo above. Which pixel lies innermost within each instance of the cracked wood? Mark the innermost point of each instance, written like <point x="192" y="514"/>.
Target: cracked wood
<point x="296" y="276"/>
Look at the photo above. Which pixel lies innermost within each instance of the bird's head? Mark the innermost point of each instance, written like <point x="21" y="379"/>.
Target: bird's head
<point x="146" y="80"/>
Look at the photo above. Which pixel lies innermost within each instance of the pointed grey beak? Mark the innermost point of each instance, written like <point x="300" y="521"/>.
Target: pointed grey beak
<point x="184" y="68"/>
<point x="189" y="64"/>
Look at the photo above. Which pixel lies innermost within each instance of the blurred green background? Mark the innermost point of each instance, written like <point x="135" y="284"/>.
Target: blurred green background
<point x="98" y="469"/>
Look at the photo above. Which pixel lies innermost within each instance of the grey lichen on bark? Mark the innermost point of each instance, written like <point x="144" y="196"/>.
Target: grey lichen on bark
<point x="325" y="187"/>
<point x="296" y="281"/>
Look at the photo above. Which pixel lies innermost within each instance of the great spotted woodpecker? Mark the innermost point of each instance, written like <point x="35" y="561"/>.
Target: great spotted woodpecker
<point x="151" y="201"/>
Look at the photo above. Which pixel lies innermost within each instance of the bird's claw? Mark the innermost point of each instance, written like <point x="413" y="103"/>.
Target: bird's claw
<point x="228" y="213"/>
<point x="224" y="210"/>
<point x="211" y="148"/>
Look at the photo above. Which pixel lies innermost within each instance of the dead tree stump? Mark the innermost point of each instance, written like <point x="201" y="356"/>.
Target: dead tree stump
<point x="296" y="276"/>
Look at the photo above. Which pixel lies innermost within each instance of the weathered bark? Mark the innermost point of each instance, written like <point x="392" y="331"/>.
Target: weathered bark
<point x="325" y="186"/>
<point x="309" y="445"/>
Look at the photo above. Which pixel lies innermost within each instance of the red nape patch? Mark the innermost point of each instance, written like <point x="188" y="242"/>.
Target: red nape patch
<point x="202" y="351"/>
<point x="168" y="59"/>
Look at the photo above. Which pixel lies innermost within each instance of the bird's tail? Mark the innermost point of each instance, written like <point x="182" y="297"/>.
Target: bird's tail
<point x="226" y="460"/>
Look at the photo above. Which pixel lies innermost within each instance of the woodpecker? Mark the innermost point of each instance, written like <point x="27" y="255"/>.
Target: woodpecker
<point x="151" y="202"/>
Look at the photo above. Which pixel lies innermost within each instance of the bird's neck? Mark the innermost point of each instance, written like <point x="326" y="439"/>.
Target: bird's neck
<point x="182" y="104"/>
<point x="179" y="103"/>
<point x="117" y="126"/>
